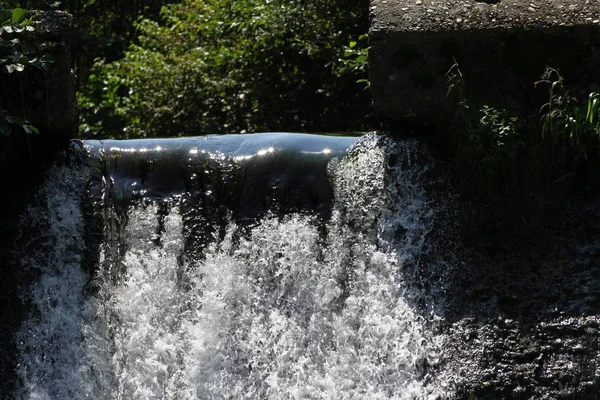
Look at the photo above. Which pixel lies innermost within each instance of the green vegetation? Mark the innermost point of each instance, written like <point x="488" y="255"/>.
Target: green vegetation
<point x="102" y="28"/>
<point x="234" y="66"/>
<point x="518" y="160"/>
<point x="19" y="51"/>
<point x="572" y="131"/>
<point x="150" y="68"/>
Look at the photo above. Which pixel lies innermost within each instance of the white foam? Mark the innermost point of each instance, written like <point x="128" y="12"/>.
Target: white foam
<point x="51" y="356"/>
<point x="294" y="309"/>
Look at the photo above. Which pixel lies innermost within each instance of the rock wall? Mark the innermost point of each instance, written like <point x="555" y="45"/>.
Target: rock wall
<point x="522" y="310"/>
<point x="518" y="295"/>
<point x="501" y="46"/>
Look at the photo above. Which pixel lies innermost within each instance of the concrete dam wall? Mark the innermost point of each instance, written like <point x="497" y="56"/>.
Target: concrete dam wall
<point x="501" y="47"/>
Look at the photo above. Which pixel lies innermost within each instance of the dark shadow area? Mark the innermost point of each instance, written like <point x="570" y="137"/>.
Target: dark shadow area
<point x="408" y="69"/>
<point x="24" y="160"/>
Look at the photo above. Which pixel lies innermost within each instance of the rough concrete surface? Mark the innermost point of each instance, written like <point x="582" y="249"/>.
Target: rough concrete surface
<point x="53" y="25"/>
<point x="433" y="15"/>
<point x="501" y="48"/>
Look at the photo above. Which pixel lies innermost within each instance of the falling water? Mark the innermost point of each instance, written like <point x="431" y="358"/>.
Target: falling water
<point x="256" y="267"/>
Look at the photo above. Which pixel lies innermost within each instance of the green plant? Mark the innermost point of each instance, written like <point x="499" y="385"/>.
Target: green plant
<point x="572" y="131"/>
<point x="102" y="29"/>
<point x="355" y="60"/>
<point x="233" y="66"/>
<point x="19" y="51"/>
<point x="456" y="82"/>
<point x="493" y="148"/>
<point x="515" y="161"/>
<point x="490" y="147"/>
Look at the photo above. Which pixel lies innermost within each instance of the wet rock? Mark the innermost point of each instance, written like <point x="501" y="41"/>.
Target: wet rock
<point x="522" y="310"/>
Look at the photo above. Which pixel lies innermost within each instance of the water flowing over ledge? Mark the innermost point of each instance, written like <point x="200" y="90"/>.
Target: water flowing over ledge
<point x="354" y="274"/>
<point x="260" y="267"/>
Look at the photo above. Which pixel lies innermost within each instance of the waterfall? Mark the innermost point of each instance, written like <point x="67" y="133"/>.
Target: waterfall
<point x="270" y="266"/>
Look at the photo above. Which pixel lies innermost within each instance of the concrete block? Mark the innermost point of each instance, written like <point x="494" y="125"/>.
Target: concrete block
<point x="502" y="48"/>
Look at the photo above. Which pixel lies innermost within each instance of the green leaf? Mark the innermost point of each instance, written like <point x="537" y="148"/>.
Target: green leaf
<point x="18" y="15"/>
<point x="36" y="63"/>
<point x="29" y="48"/>
<point x="30" y="129"/>
<point x="352" y="44"/>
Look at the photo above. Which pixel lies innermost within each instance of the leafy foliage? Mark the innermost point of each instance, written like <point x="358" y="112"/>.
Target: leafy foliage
<point x="102" y="28"/>
<point x="490" y="147"/>
<point x="234" y="66"/>
<point x="517" y="160"/>
<point x="572" y="131"/>
<point x="356" y="56"/>
<point x="18" y="51"/>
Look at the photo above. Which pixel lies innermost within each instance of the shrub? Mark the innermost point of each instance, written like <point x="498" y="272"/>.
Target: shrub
<point x="232" y="66"/>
